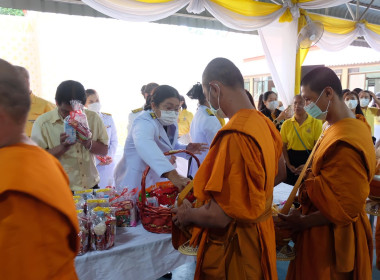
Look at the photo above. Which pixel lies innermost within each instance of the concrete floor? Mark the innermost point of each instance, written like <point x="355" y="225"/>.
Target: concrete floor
<point x="186" y="271"/>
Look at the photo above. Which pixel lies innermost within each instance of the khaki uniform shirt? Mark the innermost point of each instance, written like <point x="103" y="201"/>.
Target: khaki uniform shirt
<point x="78" y="162"/>
<point x="38" y="107"/>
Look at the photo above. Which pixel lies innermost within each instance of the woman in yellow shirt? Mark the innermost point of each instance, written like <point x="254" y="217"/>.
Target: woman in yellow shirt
<point x="184" y="119"/>
<point x="299" y="135"/>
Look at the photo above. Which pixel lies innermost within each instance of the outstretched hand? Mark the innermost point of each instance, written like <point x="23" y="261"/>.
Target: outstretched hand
<point x="197" y="148"/>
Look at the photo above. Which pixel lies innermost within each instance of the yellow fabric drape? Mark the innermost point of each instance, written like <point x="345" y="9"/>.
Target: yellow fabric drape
<point x="248" y="7"/>
<point x="373" y="27"/>
<point x="334" y="25"/>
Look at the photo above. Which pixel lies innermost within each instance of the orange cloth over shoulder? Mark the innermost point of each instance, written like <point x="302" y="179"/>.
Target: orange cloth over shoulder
<point x="342" y="168"/>
<point x="38" y="221"/>
<point x="239" y="173"/>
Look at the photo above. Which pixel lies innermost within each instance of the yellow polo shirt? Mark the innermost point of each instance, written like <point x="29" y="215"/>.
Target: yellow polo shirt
<point x="370" y="114"/>
<point x="78" y="162"/>
<point x="184" y="120"/>
<point x="38" y="107"/>
<point x="309" y="132"/>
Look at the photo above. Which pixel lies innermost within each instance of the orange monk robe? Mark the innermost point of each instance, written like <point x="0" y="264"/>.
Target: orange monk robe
<point x="239" y="172"/>
<point x="342" y="168"/>
<point x="38" y="221"/>
<point x="377" y="237"/>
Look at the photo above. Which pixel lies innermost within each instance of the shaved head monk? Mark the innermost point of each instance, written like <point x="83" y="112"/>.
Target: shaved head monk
<point x="235" y="182"/>
<point x="333" y="234"/>
<point x="38" y="222"/>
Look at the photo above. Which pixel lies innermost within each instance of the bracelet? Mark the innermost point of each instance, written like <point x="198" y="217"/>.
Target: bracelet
<point x="89" y="149"/>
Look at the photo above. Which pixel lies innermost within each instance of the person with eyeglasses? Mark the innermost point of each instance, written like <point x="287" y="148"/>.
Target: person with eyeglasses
<point x="154" y="132"/>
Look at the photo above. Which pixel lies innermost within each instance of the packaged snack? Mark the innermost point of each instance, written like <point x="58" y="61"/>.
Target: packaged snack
<point x="85" y="194"/>
<point x="103" y="228"/>
<point x="165" y="192"/>
<point x="125" y="205"/>
<point x="103" y="159"/>
<point x="93" y="203"/>
<point x="107" y="192"/>
<point x="78" y="120"/>
<point x="79" y="202"/>
<point x="83" y="232"/>
<point x="152" y="201"/>
<point x="70" y="131"/>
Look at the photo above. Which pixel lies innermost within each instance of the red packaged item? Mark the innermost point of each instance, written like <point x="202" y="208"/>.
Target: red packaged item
<point x="165" y="192"/>
<point x="78" y="120"/>
<point x="83" y="232"/>
<point x="125" y="205"/>
<point x="103" y="228"/>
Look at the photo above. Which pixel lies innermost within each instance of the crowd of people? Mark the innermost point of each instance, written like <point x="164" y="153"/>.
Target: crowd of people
<point x="241" y="163"/>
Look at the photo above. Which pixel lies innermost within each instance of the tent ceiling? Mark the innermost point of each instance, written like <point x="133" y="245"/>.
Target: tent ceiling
<point x="203" y="20"/>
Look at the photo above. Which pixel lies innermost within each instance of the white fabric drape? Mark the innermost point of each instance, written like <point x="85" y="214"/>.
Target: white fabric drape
<point x="321" y="4"/>
<point x="240" y="22"/>
<point x="278" y="42"/>
<point x="131" y="10"/>
<point x="278" y="39"/>
<point x="336" y="42"/>
<point x="372" y="38"/>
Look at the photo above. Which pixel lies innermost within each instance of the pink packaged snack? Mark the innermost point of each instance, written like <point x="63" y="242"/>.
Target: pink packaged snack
<point x="78" y="120"/>
<point x="126" y="211"/>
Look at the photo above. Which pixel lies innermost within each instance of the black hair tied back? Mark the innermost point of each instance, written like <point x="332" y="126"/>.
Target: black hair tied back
<point x="196" y="92"/>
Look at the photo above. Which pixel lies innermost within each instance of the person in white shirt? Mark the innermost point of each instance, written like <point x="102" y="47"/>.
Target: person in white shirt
<point x="204" y="125"/>
<point x="105" y="165"/>
<point x="154" y="132"/>
<point x="146" y="91"/>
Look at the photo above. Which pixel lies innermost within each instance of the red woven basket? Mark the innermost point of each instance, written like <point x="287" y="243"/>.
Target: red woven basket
<point x="157" y="219"/>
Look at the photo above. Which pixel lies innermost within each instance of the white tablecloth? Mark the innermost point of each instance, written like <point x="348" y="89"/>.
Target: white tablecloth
<point x="138" y="254"/>
<point x="281" y="192"/>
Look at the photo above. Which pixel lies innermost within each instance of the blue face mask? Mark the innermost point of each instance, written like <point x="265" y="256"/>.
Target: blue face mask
<point x="313" y="110"/>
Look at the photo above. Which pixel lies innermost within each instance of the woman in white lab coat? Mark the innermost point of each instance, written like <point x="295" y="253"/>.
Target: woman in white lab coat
<point x="106" y="165"/>
<point x="154" y="132"/>
<point x="204" y="126"/>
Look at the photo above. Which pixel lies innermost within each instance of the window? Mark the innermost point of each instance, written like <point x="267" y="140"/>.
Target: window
<point x="261" y="85"/>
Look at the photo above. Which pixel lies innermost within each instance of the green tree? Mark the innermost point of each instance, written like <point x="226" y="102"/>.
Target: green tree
<point x="12" y="12"/>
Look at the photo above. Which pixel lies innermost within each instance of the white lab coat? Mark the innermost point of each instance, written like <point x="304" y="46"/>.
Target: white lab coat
<point x="144" y="146"/>
<point x="106" y="171"/>
<point x="203" y="128"/>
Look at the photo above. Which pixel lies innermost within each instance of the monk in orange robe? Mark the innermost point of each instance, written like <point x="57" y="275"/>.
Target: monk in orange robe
<point x="333" y="234"/>
<point x="38" y="222"/>
<point x="377" y="238"/>
<point x="235" y="182"/>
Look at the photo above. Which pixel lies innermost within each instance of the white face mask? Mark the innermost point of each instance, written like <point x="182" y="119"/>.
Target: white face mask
<point x="217" y="112"/>
<point x="351" y="104"/>
<point x="95" y="107"/>
<point x="364" y="102"/>
<point x="282" y="108"/>
<point x="168" y="117"/>
<point x="273" y="105"/>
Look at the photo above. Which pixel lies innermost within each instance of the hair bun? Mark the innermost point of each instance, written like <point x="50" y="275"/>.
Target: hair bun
<point x="196" y="91"/>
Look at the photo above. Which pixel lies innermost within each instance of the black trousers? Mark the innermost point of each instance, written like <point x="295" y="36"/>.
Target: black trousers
<point x="296" y="159"/>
